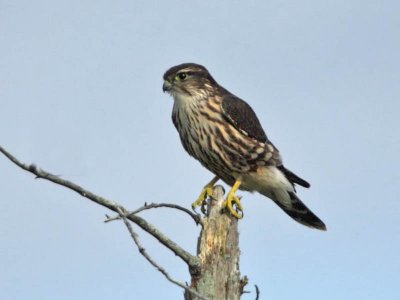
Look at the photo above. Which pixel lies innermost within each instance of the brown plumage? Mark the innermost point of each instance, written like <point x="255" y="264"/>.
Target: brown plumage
<point x="224" y="134"/>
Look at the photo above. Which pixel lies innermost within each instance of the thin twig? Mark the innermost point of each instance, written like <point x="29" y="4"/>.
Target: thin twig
<point x="257" y="292"/>
<point x="143" y="251"/>
<point x="192" y="261"/>
<point x="195" y="217"/>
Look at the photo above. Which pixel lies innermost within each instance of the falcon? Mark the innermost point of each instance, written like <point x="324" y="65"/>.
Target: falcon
<point x="224" y="134"/>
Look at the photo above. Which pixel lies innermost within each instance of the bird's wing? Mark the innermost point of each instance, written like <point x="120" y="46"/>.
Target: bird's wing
<point x="242" y="117"/>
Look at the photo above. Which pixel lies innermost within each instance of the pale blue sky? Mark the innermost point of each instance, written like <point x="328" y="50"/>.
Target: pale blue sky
<point x="80" y="96"/>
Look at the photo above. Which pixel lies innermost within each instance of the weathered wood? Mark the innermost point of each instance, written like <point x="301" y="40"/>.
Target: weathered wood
<point x="219" y="253"/>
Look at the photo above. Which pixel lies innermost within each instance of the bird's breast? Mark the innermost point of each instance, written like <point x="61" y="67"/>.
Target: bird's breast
<point x="214" y="141"/>
<point x="194" y="128"/>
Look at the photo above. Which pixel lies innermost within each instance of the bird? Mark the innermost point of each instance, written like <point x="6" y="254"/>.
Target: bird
<point x="224" y="134"/>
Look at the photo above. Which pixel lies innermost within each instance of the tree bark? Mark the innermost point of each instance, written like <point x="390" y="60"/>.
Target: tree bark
<point x="219" y="253"/>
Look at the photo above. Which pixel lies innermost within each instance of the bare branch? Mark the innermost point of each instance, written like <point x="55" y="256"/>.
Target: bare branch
<point x="192" y="261"/>
<point x="195" y="217"/>
<point x="257" y="292"/>
<point x="143" y="251"/>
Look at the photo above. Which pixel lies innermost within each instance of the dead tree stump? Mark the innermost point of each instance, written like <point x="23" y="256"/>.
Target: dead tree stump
<point x="219" y="253"/>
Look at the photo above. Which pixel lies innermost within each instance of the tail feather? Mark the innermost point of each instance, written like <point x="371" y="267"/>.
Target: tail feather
<point x="298" y="211"/>
<point x="293" y="178"/>
<point x="277" y="183"/>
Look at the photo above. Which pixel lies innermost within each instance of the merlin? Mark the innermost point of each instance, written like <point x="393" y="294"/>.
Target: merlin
<point x="224" y="134"/>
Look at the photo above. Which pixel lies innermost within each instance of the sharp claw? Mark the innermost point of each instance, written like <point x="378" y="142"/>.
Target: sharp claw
<point x="234" y="206"/>
<point x="201" y="201"/>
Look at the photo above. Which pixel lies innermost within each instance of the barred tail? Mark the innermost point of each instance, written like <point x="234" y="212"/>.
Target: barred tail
<point x="298" y="211"/>
<point x="278" y="184"/>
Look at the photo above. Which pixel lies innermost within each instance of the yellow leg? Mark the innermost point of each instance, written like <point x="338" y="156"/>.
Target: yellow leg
<point x="206" y="192"/>
<point x="232" y="199"/>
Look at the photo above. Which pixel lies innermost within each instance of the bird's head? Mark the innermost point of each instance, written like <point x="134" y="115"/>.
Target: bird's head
<point x="188" y="79"/>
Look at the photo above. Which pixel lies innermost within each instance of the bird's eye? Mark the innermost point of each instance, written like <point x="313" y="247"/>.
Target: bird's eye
<point x="182" y="76"/>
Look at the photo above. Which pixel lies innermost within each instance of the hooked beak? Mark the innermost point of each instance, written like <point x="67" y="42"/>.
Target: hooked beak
<point x="166" y="86"/>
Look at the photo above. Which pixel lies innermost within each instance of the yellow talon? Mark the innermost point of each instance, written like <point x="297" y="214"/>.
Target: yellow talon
<point x="205" y="193"/>
<point x="233" y="200"/>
